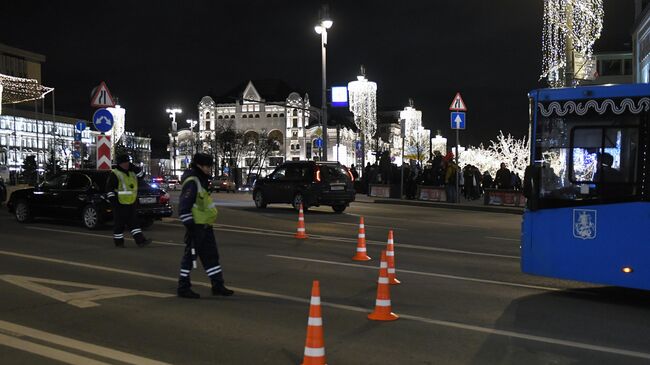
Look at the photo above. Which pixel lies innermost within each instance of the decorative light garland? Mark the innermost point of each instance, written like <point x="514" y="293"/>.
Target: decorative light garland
<point x="577" y="21"/>
<point x="18" y="90"/>
<point x="363" y="104"/>
<point x="416" y="143"/>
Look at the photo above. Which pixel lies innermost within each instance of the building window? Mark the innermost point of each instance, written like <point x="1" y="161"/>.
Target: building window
<point x="268" y="115"/>
<point x="281" y="115"/>
<point x="295" y="122"/>
<point x="207" y="115"/>
<point x="275" y="115"/>
<point x="221" y="117"/>
<point x="250" y="115"/>
<point x="232" y="117"/>
<point x="294" y="134"/>
<point x="257" y="115"/>
<point x="243" y="116"/>
<point x="257" y="108"/>
<point x="295" y="112"/>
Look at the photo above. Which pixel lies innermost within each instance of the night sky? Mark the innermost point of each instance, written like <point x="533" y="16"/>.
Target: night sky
<point x="156" y="54"/>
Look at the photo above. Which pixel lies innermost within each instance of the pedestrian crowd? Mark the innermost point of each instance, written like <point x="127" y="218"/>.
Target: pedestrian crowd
<point x="441" y="171"/>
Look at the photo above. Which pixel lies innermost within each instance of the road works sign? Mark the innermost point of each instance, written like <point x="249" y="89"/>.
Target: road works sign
<point x="458" y="105"/>
<point x="102" y="97"/>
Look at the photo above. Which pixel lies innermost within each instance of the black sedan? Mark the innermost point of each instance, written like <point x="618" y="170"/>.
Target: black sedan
<point x="81" y="194"/>
<point x="308" y="183"/>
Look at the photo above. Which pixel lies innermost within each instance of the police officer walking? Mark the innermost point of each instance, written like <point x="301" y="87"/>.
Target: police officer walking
<point x="122" y="189"/>
<point x="197" y="212"/>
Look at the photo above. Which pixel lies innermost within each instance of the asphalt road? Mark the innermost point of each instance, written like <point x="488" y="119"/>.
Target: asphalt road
<point x="68" y="296"/>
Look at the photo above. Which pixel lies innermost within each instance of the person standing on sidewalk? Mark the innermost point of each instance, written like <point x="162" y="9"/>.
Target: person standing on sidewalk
<point x="122" y="189"/>
<point x="197" y="212"/>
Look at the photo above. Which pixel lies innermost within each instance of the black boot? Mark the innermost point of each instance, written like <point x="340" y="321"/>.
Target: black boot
<point x="219" y="289"/>
<point x="187" y="293"/>
<point x="141" y="241"/>
<point x="119" y="243"/>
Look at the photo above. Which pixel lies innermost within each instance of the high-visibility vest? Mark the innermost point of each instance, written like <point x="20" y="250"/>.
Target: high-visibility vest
<point x="127" y="190"/>
<point x="204" y="210"/>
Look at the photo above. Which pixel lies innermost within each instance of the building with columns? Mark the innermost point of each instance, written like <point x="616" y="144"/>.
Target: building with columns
<point x="256" y="109"/>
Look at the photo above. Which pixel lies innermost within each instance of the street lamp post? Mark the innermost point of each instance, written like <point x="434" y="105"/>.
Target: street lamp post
<point x="172" y="114"/>
<point x="321" y="28"/>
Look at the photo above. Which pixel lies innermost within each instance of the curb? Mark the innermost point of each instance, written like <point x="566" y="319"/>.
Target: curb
<point x="478" y="208"/>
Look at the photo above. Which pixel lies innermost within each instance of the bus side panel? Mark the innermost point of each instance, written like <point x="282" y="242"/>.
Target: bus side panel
<point x="592" y="244"/>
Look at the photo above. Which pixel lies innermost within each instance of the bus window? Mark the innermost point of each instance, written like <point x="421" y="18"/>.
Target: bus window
<point x="587" y="159"/>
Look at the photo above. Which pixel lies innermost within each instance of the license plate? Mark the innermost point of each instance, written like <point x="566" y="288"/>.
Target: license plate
<point x="149" y="200"/>
<point x="337" y="187"/>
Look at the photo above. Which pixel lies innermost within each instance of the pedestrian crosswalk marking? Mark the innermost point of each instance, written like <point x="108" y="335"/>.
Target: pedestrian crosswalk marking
<point x="80" y="299"/>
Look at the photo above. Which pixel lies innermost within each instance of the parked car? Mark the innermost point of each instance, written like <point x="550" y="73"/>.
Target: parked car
<point x="308" y="182"/>
<point x="223" y="183"/>
<point x="81" y="194"/>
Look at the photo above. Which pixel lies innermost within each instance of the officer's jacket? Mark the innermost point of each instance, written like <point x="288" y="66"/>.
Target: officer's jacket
<point x="188" y="195"/>
<point x="113" y="182"/>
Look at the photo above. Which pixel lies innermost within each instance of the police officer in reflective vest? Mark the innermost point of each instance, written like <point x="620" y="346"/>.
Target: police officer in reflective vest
<point x="197" y="212"/>
<point x="122" y="189"/>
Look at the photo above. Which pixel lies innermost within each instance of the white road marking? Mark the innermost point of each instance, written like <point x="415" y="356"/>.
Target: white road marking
<point x="264" y="232"/>
<point x="503" y="238"/>
<point x="367" y="225"/>
<point x="97" y="235"/>
<point x="444" y="276"/>
<point x="80" y="299"/>
<point x="457" y="325"/>
<point x="12" y="331"/>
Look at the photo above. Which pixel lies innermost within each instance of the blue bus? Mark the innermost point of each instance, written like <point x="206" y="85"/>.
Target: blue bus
<point x="588" y="209"/>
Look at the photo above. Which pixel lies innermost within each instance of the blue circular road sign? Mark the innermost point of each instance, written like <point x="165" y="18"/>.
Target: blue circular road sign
<point x="80" y="126"/>
<point x="76" y="154"/>
<point x="103" y="120"/>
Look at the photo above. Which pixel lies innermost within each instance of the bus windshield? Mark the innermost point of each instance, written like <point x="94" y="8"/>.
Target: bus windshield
<point x="587" y="159"/>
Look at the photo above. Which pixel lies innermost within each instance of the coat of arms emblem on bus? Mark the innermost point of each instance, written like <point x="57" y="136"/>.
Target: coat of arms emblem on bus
<point x="584" y="224"/>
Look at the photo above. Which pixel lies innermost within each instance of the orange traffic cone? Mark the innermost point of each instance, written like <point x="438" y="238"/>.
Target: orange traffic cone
<point x="315" y="344"/>
<point x="361" y="244"/>
<point x="300" y="232"/>
<point x="383" y="309"/>
<point x="390" y="255"/>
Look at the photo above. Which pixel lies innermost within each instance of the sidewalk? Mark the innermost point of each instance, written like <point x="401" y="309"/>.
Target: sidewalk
<point x="474" y="205"/>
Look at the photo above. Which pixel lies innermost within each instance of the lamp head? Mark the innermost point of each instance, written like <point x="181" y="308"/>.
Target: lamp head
<point x="319" y="29"/>
<point x="327" y="23"/>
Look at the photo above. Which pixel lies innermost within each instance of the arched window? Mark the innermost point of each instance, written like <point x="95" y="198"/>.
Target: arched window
<point x="207" y="115"/>
<point x="227" y="116"/>
<point x="268" y="115"/>
<point x="220" y="117"/>
<point x="257" y="115"/>
<point x="232" y="117"/>
<point x="281" y="115"/>
<point x="275" y="115"/>
<point x="295" y="112"/>
<point x="250" y="115"/>
<point x="243" y="116"/>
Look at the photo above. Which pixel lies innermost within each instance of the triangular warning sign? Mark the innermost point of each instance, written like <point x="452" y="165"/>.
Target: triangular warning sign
<point x="102" y="97"/>
<point x="458" y="105"/>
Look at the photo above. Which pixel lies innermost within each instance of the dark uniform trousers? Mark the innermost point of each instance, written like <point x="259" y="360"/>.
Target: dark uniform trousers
<point x="202" y="238"/>
<point x="125" y="215"/>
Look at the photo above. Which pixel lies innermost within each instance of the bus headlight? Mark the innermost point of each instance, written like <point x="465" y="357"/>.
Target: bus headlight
<point x="627" y="270"/>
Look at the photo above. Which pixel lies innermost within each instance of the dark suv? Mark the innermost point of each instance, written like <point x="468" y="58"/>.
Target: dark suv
<point x="81" y="194"/>
<point x="307" y="182"/>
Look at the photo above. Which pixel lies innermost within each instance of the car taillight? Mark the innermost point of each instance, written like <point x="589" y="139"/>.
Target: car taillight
<point x="351" y="176"/>
<point x="317" y="174"/>
<point x="164" y="199"/>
